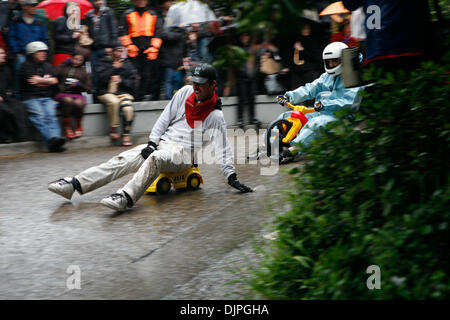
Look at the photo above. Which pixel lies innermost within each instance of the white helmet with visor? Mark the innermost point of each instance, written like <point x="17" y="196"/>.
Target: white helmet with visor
<point x="332" y="54"/>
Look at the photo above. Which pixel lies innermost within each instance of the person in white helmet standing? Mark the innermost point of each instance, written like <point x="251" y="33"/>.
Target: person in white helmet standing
<point x="329" y="90"/>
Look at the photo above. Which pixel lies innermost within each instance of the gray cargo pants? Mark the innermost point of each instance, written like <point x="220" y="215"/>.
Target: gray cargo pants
<point x="168" y="157"/>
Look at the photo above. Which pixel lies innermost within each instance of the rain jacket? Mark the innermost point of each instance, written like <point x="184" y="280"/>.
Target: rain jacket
<point x="64" y="43"/>
<point x="173" y="48"/>
<point x="102" y="28"/>
<point x="127" y="72"/>
<point x="403" y="28"/>
<point x="338" y="99"/>
<point x="20" y="33"/>
<point x="141" y="27"/>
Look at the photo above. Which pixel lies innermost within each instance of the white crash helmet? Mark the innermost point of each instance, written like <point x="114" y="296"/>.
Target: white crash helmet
<point x="333" y="51"/>
<point x="36" y="46"/>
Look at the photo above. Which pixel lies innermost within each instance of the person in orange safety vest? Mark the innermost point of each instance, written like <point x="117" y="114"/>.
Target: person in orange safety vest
<point x="140" y="32"/>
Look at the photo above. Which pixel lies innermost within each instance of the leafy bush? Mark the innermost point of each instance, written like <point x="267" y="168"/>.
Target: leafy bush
<point x="375" y="191"/>
<point x="229" y="56"/>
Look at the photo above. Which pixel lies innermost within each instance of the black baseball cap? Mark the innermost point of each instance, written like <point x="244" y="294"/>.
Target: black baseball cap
<point x="203" y="72"/>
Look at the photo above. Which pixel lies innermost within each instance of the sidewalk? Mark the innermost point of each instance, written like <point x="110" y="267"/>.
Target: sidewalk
<point x="13" y="149"/>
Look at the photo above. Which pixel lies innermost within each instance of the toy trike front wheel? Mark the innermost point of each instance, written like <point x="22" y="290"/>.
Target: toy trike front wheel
<point x="163" y="186"/>
<point x="193" y="182"/>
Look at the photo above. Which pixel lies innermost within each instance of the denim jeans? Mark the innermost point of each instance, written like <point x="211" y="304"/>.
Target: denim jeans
<point x="168" y="86"/>
<point x="42" y="113"/>
<point x="202" y="44"/>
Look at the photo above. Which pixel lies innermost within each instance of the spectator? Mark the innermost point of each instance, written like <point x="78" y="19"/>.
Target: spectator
<point x="269" y="68"/>
<point x="400" y="38"/>
<point x="204" y="37"/>
<point x="16" y="9"/>
<point x="103" y="29"/>
<point x="23" y="29"/>
<point x="246" y="81"/>
<point x="140" y="31"/>
<point x="357" y="26"/>
<point x="6" y="8"/>
<point x="305" y="63"/>
<point x="38" y="78"/>
<point x="192" y="51"/>
<point x="173" y="50"/>
<point x="66" y="35"/>
<point x="12" y="111"/>
<point x="6" y="14"/>
<point x="73" y="80"/>
<point x="162" y="8"/>
<point x="344" y="35"/>
<point x="117" y="80"/>
<point x="2" y="41"/>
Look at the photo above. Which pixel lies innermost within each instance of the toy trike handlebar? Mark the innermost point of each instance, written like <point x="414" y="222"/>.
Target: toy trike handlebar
<point x="303" y="109"/>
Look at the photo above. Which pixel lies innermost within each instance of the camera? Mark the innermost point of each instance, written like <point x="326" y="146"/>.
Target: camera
<point x="71" y="81"/>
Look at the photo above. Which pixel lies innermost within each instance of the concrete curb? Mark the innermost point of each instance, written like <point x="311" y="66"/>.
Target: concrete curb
<point x="95" y="124"/>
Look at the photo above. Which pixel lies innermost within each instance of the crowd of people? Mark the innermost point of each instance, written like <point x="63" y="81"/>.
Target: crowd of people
<point x="49" y="68"/>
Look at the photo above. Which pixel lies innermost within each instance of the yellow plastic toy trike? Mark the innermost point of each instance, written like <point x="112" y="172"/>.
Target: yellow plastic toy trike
<point x="188" y="179"/>
<point x="287" y="129"/>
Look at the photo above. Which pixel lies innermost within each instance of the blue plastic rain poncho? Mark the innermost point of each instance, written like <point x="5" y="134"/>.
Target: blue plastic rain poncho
<point x="330" y="90"/>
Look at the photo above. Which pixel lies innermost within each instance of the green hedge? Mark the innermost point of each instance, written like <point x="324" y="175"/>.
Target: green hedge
<point x="375" y="191"/>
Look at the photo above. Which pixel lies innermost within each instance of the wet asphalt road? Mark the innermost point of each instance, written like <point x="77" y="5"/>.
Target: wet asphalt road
<point x="144" y="253"/>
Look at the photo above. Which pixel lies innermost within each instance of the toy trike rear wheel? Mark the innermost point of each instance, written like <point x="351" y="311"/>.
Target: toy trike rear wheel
<point x="282" y="126"/>
<point x="193" y="182"/>
<point x="163" y="186"/>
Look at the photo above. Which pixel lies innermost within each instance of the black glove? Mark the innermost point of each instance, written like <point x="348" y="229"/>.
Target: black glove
<point x="286" y="156"/>
<point x="282" y="100"/>
<point x="234" y="182"/>
<point x="148" y="149"/>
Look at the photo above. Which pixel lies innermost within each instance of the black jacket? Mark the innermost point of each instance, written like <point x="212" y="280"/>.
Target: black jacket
<point x="173" y="47"/>
<point x="29" y="69"/>
<point x="103" y="29"/>
<point x="4" y="14"/>
<point x="127" y="73"/>
<point x="5" y="80"/>
<point x="64" y="43"/>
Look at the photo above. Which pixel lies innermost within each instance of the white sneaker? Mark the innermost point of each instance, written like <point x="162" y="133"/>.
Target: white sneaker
<point x="116" y="201"/>
<point x="63" y="187"/>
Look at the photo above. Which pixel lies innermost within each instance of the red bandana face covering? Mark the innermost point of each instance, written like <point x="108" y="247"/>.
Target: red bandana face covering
<point x="198" y="111"/>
